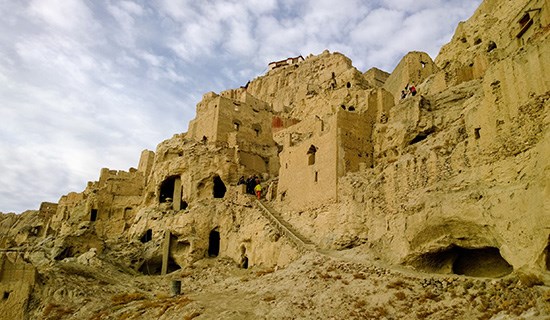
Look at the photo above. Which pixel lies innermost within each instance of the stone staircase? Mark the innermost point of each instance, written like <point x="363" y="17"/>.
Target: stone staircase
<point x="285" y="228"/>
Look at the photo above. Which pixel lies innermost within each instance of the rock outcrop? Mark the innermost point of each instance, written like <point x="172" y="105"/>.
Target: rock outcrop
<point x="452" y="180"/>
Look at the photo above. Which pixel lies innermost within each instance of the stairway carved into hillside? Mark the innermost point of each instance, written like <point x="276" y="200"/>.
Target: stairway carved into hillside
<point x="285" y="228"/>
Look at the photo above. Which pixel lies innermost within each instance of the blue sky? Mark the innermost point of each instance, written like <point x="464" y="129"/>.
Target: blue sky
<point x="89" y="84"/>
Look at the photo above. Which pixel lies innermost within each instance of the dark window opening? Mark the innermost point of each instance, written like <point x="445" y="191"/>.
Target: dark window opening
<point x="480" y="262"/>
<point x="219" y="187"/>
<point x="422" y="135"/>
<point x="476" y="133"/>
<point x="214" y="244"/>
<point x="148" y="236"/>
<point x="167" y="189"/>
<point x="423" y="64"/>
<point x="244" y="262"/>
<point x="93" y="215"/>
<point x="343" y="107"/>
<point x="257" y="129"/>
<point x="184" y="205"/>
<point x="311" y="155"/>
<point x="6" y="295"/>
<point x="348" y="85"/>
<point x="525" y="19"/>
<point x="351" y="108"/>
<point x="477" y="41"/>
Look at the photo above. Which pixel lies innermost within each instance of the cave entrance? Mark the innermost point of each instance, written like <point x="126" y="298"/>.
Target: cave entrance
<point x="219" y="188"/>
<point x="483" y="262"/>
<point x="148" y="236"/>
<point x="152" y="266"/>
<point x="93" y="215"/>
<point x="167" y="189"/>
<point x="478" y="262"/>
<point x="214" y="243"/>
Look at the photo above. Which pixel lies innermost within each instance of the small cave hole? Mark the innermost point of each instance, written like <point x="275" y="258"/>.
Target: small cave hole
<point x="343" y="107"/>
<point x="214" y="243"/>
<point x="93" y="215"/>
<point x="66" y="253"/>
<point x="219" y="188"/>
<point x="148" y="236"/>
<point x="351" y="108"/>
<point x="422" y="136"/>
<point x="152" y="266"/>
<point x="184" y="205"/>
<point x="476" y="133"/>
<point x="244" y="262"/>
<point x="348" y="85"/>
<point x="6" y="295"/>
<point x="477" y="41"/>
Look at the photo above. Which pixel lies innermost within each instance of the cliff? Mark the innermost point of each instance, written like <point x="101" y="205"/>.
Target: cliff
<point x="433" y="204"/>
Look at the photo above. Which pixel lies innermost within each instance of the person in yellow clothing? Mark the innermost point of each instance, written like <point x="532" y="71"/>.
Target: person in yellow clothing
<point x="258" y="189"/>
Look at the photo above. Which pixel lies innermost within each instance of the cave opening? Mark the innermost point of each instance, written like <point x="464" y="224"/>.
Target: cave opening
<point x="166" y="191"/>
<point x="472" y="262"/>
<point x="214" y="243"/>
<point x="148" y="236"/>
<point x="219" y="188"/>
<point x="93" y="215"/>
<point x="422" y="135"/>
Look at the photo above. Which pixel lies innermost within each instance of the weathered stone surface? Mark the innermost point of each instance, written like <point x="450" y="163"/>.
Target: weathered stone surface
<point x="452" y="183"/>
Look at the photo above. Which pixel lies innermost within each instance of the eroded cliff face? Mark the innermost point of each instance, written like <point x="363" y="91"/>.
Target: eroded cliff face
<point x="452" y="180"/>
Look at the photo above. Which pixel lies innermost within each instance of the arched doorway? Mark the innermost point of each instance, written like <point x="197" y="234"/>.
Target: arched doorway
<point x="219" y="188"/>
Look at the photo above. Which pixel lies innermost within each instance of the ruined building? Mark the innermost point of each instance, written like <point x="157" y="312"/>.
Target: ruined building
<point x="453" y="180"/>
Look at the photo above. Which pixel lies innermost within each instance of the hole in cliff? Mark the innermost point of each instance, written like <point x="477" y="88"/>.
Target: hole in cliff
<point x="316" y="176"/>
<point x="148" y="236"/>
<point x="484" y="262"/>
<point x="66" y="253"/>
<point x="422" y="135"/>
<point x="184" y="205"/>
<point x="167" y="189"/>
<point x="348" y="85"/>
<point x="244" y="262"/>
<point x="481" y="262"/>
<point x="476" y="133"/>
<point x="219" y="187"/>
<point x="343" y="107"/>
<point x="214" y="243"/>
<point x="93" y="215"/>
<point x="423" y="64"/>
<point x="351" y="108"/>
<point x="172" y="266"/>
<point x="152" y="266"/>
<point x="311" y="155"/>
<point x="6" y="295"/>
<point x="477" y="41"/>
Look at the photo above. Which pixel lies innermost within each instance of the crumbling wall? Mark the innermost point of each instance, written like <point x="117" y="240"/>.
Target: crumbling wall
<point x="17" y="279"/>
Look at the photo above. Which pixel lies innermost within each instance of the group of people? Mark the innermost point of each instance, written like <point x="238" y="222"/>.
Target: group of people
<point x="408" y="90"/>
<point x="253" y="185"/>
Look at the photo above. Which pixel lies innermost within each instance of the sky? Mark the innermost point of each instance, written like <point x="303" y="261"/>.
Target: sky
<point x="89" y="84"/>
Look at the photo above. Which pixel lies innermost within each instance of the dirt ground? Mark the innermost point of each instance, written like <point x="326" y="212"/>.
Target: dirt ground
<point x="329" y="285"/>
